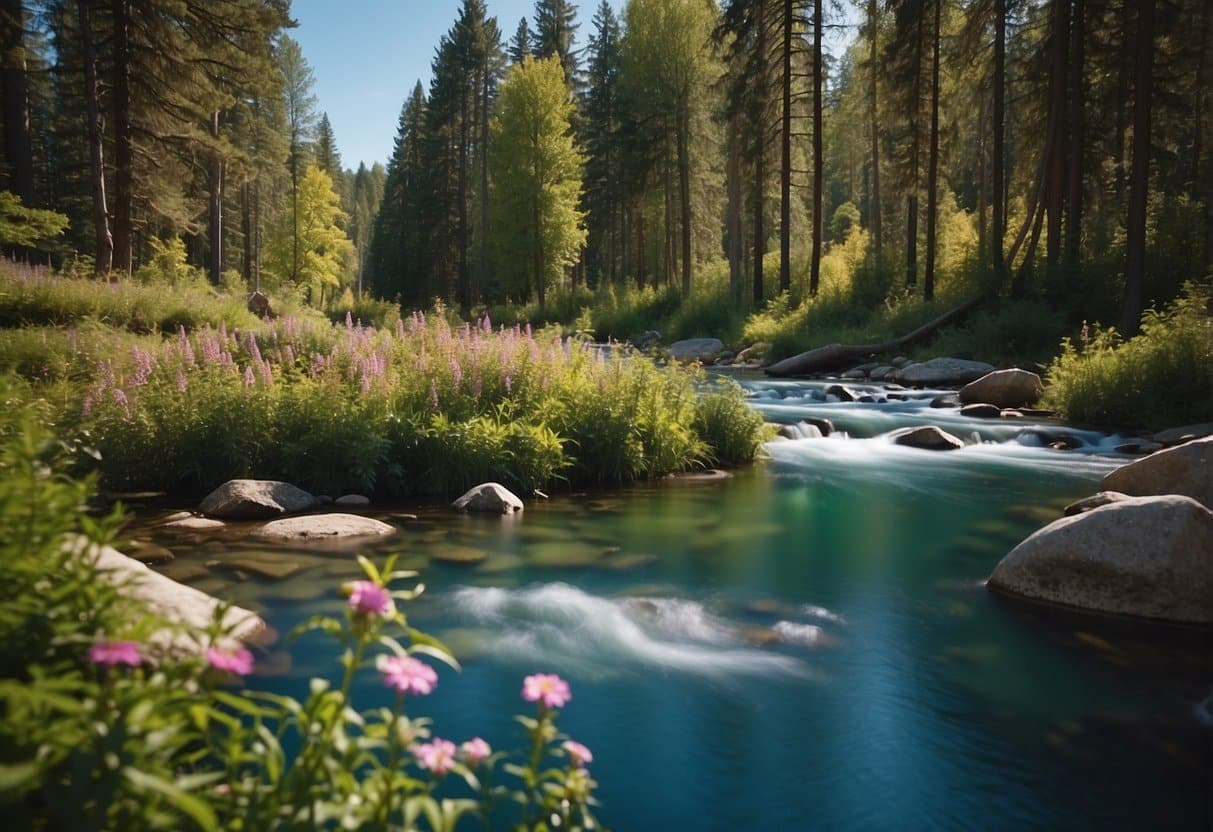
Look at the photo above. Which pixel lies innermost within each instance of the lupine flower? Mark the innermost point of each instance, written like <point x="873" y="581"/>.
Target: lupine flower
<point x="86" y="407"/>
<point x="238" y="661"/>
<point x="578" y="753"/>
<point x="404" y="674"/>
<point x="433" y="394"/>
<point x="436" y="756"/>
<point x="369" y="598"/>
<point x="249" y="378"/>
<point x="253" y="349"/>
<point x="547" y="688"/>
<point x="121" y="400"/>
<point x="113" y="653"/>
<point x="475" y="751"/>
<point x="181" y="384"/>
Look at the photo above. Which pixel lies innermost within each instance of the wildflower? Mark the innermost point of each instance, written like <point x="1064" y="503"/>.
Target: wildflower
<point x="404" y="674"/>
<point x="486" y="324"/>
<point x="249" y="378"/>
<point x="578" y="753"/>
<point x="238" y="661"/>
<point x="434" y="395"/>
<point x="436" y="756"/>
<point x="290" y="356"/>
<point x="456" y="373"/>
<point x="253" y="349"/>
<point x="86" y="408"/>
<point x="509" y="382"/>
<point x="547" y="688"/>
<point x="112" y="653"/>
<point x="369" y="598"/>
<point x="181" y="384"/>
<point x="475" y="751"/>
<point x="349" y="320"/>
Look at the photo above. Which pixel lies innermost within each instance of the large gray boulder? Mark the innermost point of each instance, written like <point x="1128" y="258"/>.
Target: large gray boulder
<point x="489" y="498"/>
<point x="703" y="350"/>
<point x="1177" y="436"/>
<point x="927" y="437"/>
<point x="1005" y="388"/>
<point x="943" y="371"/>
<point x="255" y="500"/>
<point x="1185" y="469"/>
<point x="322" y="527"/>
<point x="1150" y="557"/>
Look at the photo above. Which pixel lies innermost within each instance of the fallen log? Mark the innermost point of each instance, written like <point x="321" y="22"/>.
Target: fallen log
<point x="840" y="356"/>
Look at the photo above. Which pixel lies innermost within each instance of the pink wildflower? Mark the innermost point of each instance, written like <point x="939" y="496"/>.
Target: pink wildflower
<point x="436" y="756"/>
<point x="547" y="688"/>
<point x="433" y="394"/>
<point x="404" y="674"/>
<point x="578" y="753"/>
<point x="249" y="378"/>
<point x="181" y="383"/>
<point x="370" y="598"/>
<point x="475" y="751"/>
<point x="113" y="653"/>
<point x="238" y="661"/>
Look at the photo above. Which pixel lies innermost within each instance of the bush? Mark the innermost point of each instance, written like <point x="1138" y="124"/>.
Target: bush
<point x="1162" y="377"/>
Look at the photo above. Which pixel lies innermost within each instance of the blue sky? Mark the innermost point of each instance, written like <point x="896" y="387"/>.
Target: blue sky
<point x="367" y="54"/>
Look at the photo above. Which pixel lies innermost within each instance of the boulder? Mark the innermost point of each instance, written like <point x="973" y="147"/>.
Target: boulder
<point x="927" y="437"/>
<point x="800" y="430"/>
<point x="881" y="371"/>
<point x="1103" y="498"/>
<point x="255" y="500"/>
<point x="194" y="524"/>
<point x="489" y="498"/>
<point x="322" y="527"/>
<point x="1185" y="469"/>
<point x="981" y="411"/>
<point x="943" y="371"/>
<point x="646" y="339"/>
<point x="841" y="393"/>
<point x="1004" y="388"/>
<point x="1150" y="557"/>
<point x="703" y="350"/>
<point x="946" y="400"/>
<point x="1177" y="436"/>
<point x="171" y="600"/>
<point x="353" y="500"/>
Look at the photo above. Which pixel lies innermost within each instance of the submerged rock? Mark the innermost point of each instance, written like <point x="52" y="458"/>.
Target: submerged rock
<point x="927" y="437"/>
<point x="322" y="527"/>
<point x="1004" y="388"/>
<point x="489" y="498"/>
<point x="255" y="500"/>
<point x="1185" y="469"/>
<point x="1150" y="557"/>
<point x="943" y="371"/>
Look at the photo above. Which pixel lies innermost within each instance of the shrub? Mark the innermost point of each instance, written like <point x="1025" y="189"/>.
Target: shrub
<point x="1162" y="377"/>
<point x="733" y="429"/>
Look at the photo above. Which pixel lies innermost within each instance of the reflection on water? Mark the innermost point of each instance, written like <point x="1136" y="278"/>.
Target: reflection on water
<point x="807" y="645"/>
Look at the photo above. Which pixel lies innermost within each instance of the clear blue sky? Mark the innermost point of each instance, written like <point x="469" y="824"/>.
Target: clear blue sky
<point x="367" y="55"/>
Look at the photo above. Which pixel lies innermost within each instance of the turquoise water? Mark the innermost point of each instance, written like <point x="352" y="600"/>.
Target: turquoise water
<point x="807" y="644"/>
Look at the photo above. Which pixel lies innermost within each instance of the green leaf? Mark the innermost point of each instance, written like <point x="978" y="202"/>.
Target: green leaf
<point x="17" y="778"/>
<point x="189" y="804"/>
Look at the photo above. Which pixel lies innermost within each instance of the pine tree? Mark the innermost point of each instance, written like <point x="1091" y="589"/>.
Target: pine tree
<point x="600" y="126"/>
<point x="300" y="109"/>
<point x="555" y="28"/>
<point x="520" y="44"/>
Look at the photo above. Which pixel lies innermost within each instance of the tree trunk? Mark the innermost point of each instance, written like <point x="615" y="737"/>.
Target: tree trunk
<point x="912" y="194"/>
<point x="124" y="151"/>
<point x="684" y="198"/>
<point x="998" y="189"/>
<point x="1074" y="196"/>
<point x="818" y="154"/>
<point x="215" y="219"/>
<point x="246" y="229"/>
<point x="461" y="197"/>
<point x="785" y="155"/>
<point x="928" y="280"/>
<point x="733" y="209"/>
<point x="875" y="220"/>
<point x="982" y="197"/>
<point x="758" y="198"/>
<point x="14" y="90"/>
<point x="482" y="276"/>
<point x="1058" y="87"/>
<point x="104" y="250"/>
<point x="1139" y="177"/>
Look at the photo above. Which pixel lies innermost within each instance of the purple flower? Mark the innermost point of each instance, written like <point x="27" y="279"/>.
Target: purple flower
<point x="181" y="383"/>
<point x="369" y="598"/>
<point x="436" y="756"/>
<point x="547" y="688"/>
<point x="249" y="378"/>
<point x="113" y="653"/>
<point x="475" y="751"/>
<point x="404" y="674"/>
<point x="238" y="661"/>
<point x="578" y="753"/>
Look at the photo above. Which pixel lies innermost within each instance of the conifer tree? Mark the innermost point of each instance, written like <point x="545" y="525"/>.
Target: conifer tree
<point x="555" y="29"/>
<point x="520" y="44"/>
<point x="600" y="126"/>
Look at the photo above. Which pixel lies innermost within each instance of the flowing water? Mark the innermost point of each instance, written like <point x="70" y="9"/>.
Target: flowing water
<point x="805" y="645"/>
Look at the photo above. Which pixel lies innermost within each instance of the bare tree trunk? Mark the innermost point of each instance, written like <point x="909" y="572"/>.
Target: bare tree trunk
<point x="14" y="90"/>
<point x="998" y="188"/>
<point x="124" y="151"/>
<point x="818" y="154"/>
<point x="215" y="221"/>
<point x="982" y="196"/>
<point x="104" y="251"/>
<point x="733" y="209"/>
<point x="875" y="220"/>
<point x="928" y="281"/>
<point x="464" y="239"/>
<point x="486" y="236"/>
<point x="912" y="195"/>
<point x="1058" y="86"/>
<point x="1074" y="195"/>
<point x="246" y="229"/>
<point x="1139" y="178"/>
<point x="684" y="198"/>
<point x="785" y="154"/>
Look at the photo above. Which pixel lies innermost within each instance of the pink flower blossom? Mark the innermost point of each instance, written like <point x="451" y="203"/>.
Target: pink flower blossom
<point x="404" y="674"/>
<point x="436" y="756"/>
<point x="547" y="688"/>
<point x="370" y="598"/>
<point x="238" y="661"/>
<point x="182" y="386"/>
<point x="475" y="751"/>
<point x="249" y="378"/>
<point x="112" y="653"/>
<point x="578" y="753"/>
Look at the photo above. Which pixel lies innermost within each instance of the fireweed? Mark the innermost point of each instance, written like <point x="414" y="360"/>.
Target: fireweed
<point x="424" y="406"/>
<point x="109" y="725"/>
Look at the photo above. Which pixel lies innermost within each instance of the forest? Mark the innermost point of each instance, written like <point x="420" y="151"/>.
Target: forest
<point x="999" y="148"/>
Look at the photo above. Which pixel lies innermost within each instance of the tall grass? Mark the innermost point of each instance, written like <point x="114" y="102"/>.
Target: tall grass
<point x="1162" y="377"/>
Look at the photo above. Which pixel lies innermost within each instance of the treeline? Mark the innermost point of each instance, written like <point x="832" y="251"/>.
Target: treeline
<point x="180" y="126"/>
<point x="1054" y="148"/>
